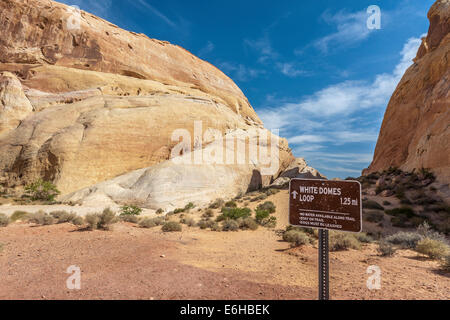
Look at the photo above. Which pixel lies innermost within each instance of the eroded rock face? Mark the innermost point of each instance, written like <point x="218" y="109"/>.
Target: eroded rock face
<point x="415" y="132"/>
<point x="14" y="105"/>
<point x="97" y="106"/>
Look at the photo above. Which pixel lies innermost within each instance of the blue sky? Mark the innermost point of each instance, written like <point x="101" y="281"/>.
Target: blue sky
<point x="310" y="68"/>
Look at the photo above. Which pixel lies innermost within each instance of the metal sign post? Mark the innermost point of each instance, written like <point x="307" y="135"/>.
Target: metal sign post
<point x="325" y="205"/>
<point x="324" y="268"/>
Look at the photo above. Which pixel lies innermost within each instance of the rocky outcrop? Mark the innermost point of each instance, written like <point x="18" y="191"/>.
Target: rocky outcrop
<point x="14" y="105"/>
<point x="99" y="110"/>
<point x="415" y="132"/>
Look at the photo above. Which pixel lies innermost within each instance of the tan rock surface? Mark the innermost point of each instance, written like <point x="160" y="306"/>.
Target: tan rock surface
<point x="100" y="102"/>
<point x="415" y="132"/>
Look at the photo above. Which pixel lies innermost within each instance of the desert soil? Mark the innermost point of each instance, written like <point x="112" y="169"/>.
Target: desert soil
<point x="133" y="263"/>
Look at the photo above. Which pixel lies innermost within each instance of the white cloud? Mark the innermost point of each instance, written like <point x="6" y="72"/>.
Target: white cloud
<point x="208" y="48"/>
<point x="156" y="12"/>
<point x="263" y="47"/>
<point x="289" y="69"/>
<point x="99" y="8"/>
<point x="239" y="71"/>
<point x="331" y="117"/>
<point x="351" y="29"/>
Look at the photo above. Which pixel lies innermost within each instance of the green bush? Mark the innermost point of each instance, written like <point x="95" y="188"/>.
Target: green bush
<point x="259" y="197"/>
<point x="296" y="238"/>
<point x="386" y="249"/>
<point x="42" y="190"/>
<point x="234" y="213"/>
<point x="4" y="220"/>
<point x="370" y="204"/>
<point x="189" y="206"/>
<point x="267" y="206"/>
<point x="340" y="241"/>
<point x="230" y="225"/>
<point x="426" y="232"/>
<point x="433" y="248"/>
<point x="159" y="211"/>
<point x="386" y="203"/>
<point x="406" y="240"/>
<point x="261" y="215"/>
<point x="171" y="226"/>
<point x="19" y="215"/>
<point x="130" y="210"/>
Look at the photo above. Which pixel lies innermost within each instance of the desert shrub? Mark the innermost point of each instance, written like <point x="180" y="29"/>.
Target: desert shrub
<point x="129" y="218"/>
<point x="261" y="215"/>
<point x="248" y="224"/>
<point x="63" y="216"/>
<point x="189" y="221"/>
<point x="208" y="213"/>
<point x="405" y="201"/>
<point x="130" y="210"/>
<point x="407" y="211"/>
<point x="445" y="264"/>
<point x="189" y="206"/>
<point x="107" y="219"/>
<point x="426" y="232"/>
<point x="92" y="220"/>
<point x="4" y="220"/>
<point x="171" y="226"/>
<point x="440" y="207"/>
<point x="205" y="223"/>
<point x="363" y="237"/>
<point x="267" y="206"/>
<point x="77" y="221"/>
<point x="271" y="191"/>
<point x="425" y="173"/>
<point x="230" y="225"/>
<point x="373" y="216"/>
<point x="159" y="211"/>
<point x="151" y="222"/>
<point x="41" y="218"/>
<point x="234" y="213"/>
<point x="386" y="203"/>
<point x="103" y="220"/>
<point x="386" y="249"/>
<point x="434" y="249"/>
<point x="231" y="204"/>
<point x="42" y="190"/>
<point x="400" y="193"/>
<point x="370" y="204"/>
<point x="218" y="203"/>
<point x="406" y="240"/>
<point x="340" y="241"/>
<point x="216" y="227"/>
<point x="296" y="238"/>
<point x="178" y="210"/>
<point x="19" y="215"/>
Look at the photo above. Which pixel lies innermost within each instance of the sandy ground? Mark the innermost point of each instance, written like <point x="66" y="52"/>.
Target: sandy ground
<point x="134" y="263"/>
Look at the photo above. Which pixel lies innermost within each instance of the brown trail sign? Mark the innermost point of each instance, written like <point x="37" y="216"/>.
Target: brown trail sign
<point x="325" y="205"/>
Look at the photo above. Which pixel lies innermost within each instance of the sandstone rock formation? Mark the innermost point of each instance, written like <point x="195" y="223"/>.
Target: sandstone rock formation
<point x="416" y="128"/>
<point x="94" y="109"/>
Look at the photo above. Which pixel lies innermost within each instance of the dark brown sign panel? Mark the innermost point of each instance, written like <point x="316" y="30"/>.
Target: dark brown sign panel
<point x="325" y="204"/>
